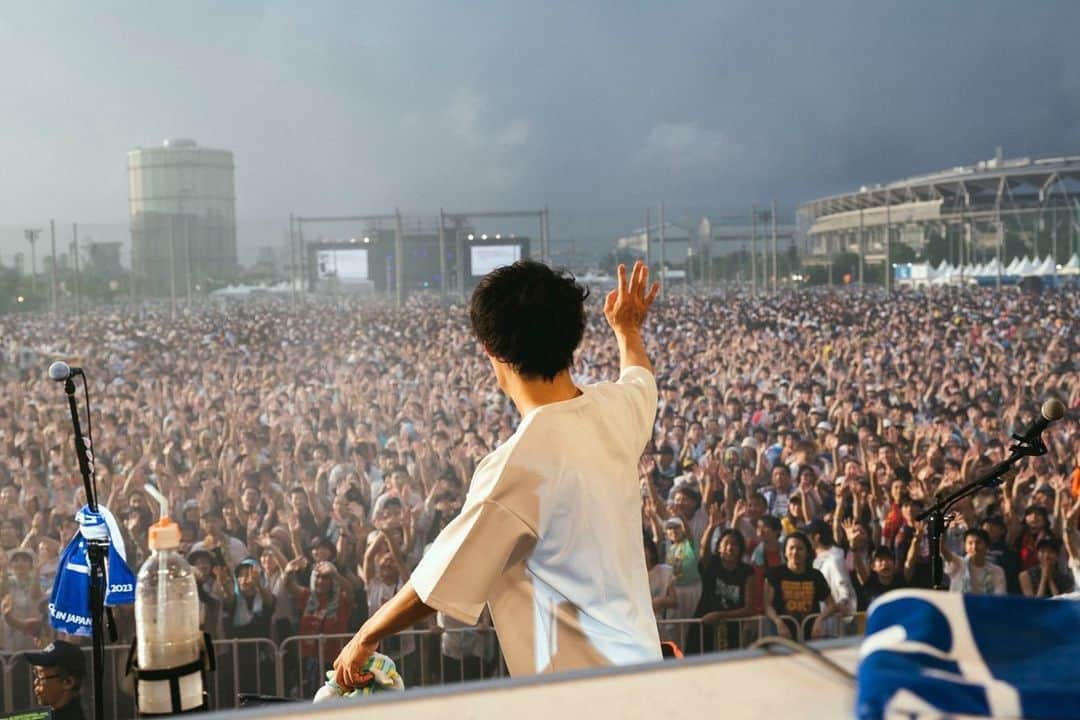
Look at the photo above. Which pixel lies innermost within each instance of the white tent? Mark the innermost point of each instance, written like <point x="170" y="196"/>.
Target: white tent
<point x="991" y="269"/>
<point x="1046" y="268"/>
<point x="1072" y="267"/>
<point x="243" y="290"/>
<point x="1012" y="268"/>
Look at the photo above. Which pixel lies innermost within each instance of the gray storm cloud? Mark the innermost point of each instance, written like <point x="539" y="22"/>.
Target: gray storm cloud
<point x="336" y="105"/>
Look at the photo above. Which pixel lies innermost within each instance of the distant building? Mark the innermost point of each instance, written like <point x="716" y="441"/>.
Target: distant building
<point x="971" y="207"/>
<point x="713" y="237"/>
<point x="105" y="259"/>
<point x="182" y="204"/>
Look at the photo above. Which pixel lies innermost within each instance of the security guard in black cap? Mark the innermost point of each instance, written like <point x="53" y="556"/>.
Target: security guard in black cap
<point x="58" y="675"/>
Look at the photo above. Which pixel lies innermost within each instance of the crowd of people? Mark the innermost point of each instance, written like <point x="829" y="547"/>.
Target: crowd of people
<point x="311" y="453"/>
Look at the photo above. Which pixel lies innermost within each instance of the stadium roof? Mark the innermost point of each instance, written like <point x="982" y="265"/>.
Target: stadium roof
<point x="1018" y="182"/>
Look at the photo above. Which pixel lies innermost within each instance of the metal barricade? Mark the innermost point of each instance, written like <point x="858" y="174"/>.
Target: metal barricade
<point x="119" y="703"/>
<point x="244" y="666"/>
<point x="727" y="634"/>
<point x="303" y="661"/>
<point x="833" y="627"/>
<point x="684" y="632"/>
<point x="297" y="667"/>
<point x="423" y="657"/>
<point x="467" y="653"/>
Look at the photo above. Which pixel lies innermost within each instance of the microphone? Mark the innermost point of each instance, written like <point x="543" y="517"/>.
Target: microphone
<point x="61" y="371"/>
<point x="1052" y="410"/>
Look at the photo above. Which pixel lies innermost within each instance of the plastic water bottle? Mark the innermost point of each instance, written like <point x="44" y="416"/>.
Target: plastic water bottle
<point x="167" y="620"/>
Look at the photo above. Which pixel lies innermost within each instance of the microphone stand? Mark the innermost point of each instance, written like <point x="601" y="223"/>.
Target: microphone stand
<point x="937" y="517"/>
<point x="96" y="552"/>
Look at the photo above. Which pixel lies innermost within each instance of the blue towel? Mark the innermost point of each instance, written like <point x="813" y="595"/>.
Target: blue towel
<point x="928" y="653"/>
<point x="69" y="606"/>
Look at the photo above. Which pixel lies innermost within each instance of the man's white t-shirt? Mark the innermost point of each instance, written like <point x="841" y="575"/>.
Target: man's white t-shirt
<point x="236" y="549"/>
<point x="550" y="536"/>
<point x="967" y="578"/>
<point x="831" y="566"/>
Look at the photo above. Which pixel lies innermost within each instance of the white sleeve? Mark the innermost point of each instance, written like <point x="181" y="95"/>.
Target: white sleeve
<point x="639" y="386"/>
<point x="456" y="573"/>
<point x="839" y="581"/>
<point x="999" y="580"/>
<point x="846" y="590"/>
<point x="953" y="570"/>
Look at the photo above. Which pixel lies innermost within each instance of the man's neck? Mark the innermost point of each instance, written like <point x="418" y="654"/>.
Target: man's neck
<point x="528" y="395"/>
<point x="64" y="701"/>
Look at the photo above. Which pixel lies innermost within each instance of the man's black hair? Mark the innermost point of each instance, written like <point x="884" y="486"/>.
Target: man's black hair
<point x="979" y="533"/>
<point x="772" y="522"/>
<point x="1049" y="543"/>
<point x="801" y="537"/>
<point x="736" y="537"/>
<point x="691" y="492"/>
<point x="882" y="553"/>
<point x="529" y="316"/>
<point x="821" y="529"/>
<point x="913" y="502"/>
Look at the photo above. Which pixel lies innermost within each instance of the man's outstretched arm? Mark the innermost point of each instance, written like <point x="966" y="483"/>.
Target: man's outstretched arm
<point x="399" y="613"/>
<point x="625" y="308"/>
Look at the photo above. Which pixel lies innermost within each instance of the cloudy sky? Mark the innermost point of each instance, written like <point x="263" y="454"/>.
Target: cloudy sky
<point x="334" y="106"/>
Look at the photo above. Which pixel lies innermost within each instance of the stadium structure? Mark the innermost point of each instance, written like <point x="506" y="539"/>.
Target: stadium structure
<point x="182" y="200"/>
<point x="994" y="209"/>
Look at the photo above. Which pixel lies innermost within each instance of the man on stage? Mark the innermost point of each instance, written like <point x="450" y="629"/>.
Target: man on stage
<point x="550" y="534"/>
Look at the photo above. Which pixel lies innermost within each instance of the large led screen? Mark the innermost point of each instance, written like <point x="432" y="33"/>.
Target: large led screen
<point x="486" y="258"/>
<point x="346" y="265"/>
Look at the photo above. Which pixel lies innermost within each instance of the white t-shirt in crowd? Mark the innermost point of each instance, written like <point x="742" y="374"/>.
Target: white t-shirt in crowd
<point x="236" y="549"/>
<point x="661" y="578"/>
<point x="967" y="578"/>
<point x="832" y="566"/>
<point x="550" y="536"/>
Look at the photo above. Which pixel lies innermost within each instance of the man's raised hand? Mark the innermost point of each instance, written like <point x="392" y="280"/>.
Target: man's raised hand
<point x="625" y="307"/>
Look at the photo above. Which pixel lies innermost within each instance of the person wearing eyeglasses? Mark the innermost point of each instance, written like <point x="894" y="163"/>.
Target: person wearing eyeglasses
<point x="58" y="674"/>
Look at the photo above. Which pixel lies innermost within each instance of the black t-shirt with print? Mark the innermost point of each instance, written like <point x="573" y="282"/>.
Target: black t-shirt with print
<point x="722" y="589"/>
<point x="797" y="594"/>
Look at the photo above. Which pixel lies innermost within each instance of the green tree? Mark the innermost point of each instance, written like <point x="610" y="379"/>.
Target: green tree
<point x="13" y="286"/>
<point x="610" y="261"/>
<point x="902" y="253"/>
<point x="937" y="247"/>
